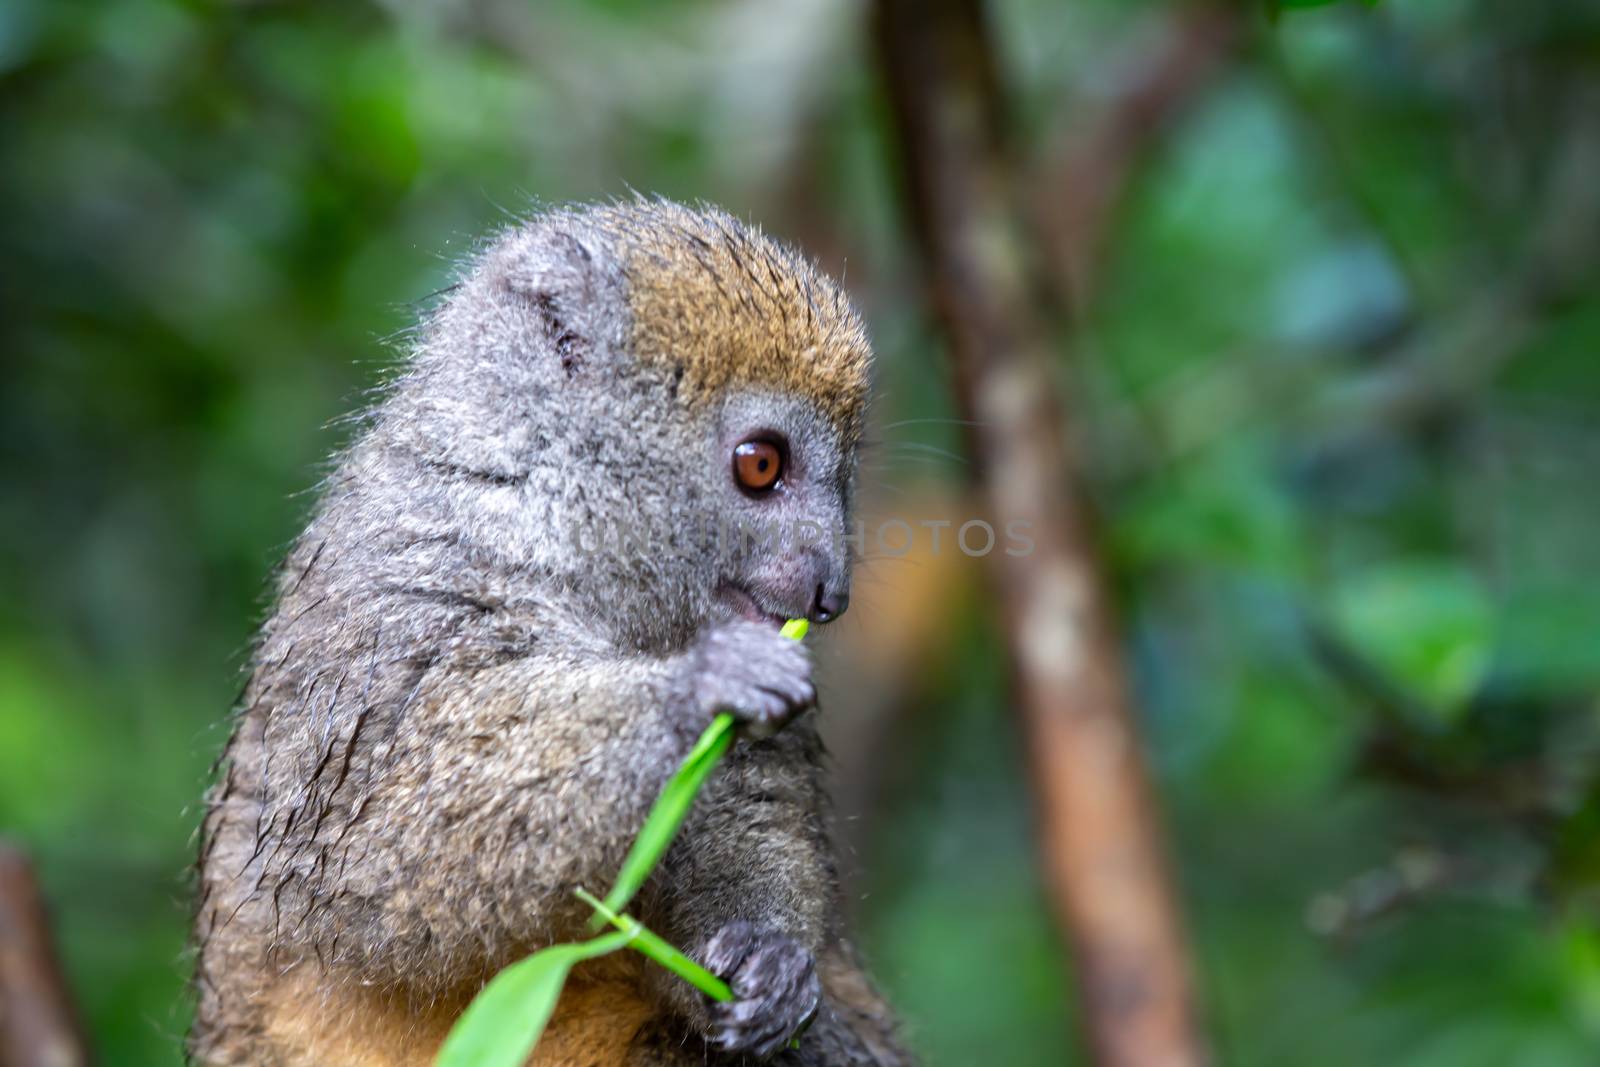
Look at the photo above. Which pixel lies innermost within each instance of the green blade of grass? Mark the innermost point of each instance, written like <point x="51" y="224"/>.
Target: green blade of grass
<point x="643" y="940"/>
<point x="677" y="796"/>
<point x="671" y="808"/>
<point x="503" y="1023"/>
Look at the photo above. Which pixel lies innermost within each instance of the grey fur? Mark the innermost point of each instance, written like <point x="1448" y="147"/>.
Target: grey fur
<point x="454" y="719"/>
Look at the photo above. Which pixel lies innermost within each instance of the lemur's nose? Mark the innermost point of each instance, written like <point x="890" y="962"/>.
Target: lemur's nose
<point x="828" y="606"/>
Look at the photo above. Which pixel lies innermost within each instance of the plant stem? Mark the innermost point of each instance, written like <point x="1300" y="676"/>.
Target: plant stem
<point x="642" y="939"/>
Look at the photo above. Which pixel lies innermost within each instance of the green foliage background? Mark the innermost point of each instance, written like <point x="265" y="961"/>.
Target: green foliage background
<point x="1340" y="400"/>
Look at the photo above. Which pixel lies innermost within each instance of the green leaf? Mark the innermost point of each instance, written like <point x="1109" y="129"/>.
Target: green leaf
<point x="1428" y="625"/>
<point x="1275" y="8"/>
<point x="503" y="1023"/>
<point x="1223" y="509"/>
<point x="1300" y="5"/>
<point x="672" y="807"/>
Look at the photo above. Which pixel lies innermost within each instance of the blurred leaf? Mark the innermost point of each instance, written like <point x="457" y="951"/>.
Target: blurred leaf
<point x="1575" y="860"/>
<point x="1427" y="624"/>
<point x="1546" y="645"/>
<point x="1221" y="509"/>
<point x="1276" y="7"/>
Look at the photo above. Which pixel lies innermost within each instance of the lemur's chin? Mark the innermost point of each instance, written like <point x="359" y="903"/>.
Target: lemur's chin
<point x="740" y="603"/>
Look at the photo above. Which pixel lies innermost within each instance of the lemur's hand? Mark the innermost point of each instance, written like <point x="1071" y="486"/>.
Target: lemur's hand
<point x="775" y="987"/>
<point x="751" y="670"/>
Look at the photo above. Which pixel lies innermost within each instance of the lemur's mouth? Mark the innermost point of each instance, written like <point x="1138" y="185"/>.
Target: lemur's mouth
<point x="743" y="604"/>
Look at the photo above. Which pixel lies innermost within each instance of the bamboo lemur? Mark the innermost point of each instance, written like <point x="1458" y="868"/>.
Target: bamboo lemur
<point x="456" y="714"/>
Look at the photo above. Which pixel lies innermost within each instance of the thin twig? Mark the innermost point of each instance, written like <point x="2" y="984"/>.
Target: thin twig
<point x="37" y="1025"/>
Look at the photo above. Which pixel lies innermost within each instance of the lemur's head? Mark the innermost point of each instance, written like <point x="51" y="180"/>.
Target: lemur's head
<point x="638" y="404"/>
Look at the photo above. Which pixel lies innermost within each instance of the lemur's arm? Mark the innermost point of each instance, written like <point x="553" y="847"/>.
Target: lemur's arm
<point x="573" y="748"/>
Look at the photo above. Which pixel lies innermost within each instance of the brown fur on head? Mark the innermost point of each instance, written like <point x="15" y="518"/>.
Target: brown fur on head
<point x="730" y="308"/>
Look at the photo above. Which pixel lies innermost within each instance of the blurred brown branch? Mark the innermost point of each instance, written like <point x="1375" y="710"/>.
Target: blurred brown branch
<point x="37" y="1026"/>
<point x="1099" y="834"/>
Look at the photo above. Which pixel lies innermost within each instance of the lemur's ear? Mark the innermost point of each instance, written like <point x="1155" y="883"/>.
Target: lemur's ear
<point x="556" y="282"/>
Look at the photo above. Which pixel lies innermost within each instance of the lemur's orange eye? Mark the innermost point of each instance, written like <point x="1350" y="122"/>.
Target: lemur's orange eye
<point x="757" y="465"/>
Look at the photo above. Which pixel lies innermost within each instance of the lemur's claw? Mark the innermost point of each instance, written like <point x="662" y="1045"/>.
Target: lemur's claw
<point x="775" y="986"/>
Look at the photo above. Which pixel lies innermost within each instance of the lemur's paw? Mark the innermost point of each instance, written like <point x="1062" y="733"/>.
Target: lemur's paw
<point x="751" y="670"/>
<point x="775" y="988"/>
